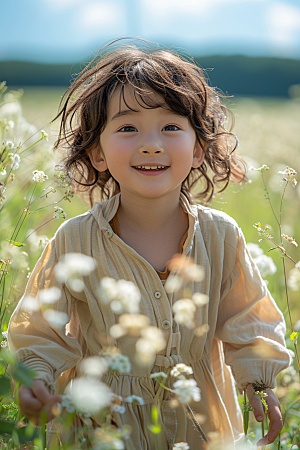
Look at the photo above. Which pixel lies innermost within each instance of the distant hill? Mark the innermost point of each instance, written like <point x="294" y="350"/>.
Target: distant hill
<point x="234" y="75"/>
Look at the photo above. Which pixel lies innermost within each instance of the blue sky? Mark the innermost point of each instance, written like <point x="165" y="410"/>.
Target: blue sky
<point x="72" y="30"/>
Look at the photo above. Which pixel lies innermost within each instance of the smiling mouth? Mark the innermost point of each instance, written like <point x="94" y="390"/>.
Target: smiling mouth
<point x="150" y="168"/>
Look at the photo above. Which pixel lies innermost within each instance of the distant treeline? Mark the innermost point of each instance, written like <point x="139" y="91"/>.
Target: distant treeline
<point x="233" y="75"/>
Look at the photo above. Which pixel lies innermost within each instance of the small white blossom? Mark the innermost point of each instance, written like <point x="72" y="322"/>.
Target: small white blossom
<point x="180" y="370"/>
<point x="44" y="135"/>
<point x="124" y="296"/>
<point x="116" y="403"/>
<point x="94" y="366"/>
<point x="158" y="375"/>
<point x="3" y="172"/>
<point x="200" y="299"/>
<point x="181" y="446"/>
<point x="288" y="172"/>
<point x="117" y="362"/>
<point x="49" y="296"/>
<point x="88" y="395"/>
<point x="187" y="390"/>
<point x="4" y="334"/>
<point x="263" y="168"/>
<point x="297" y="265"/>
<point x="184" y="312"/>
<point x="265" y="265"/>
<point x="16" y="161"/>
<point x="56" y="319"/>
<point x="254" y="249"/>
<point x="135" y="399"/>
<point x="39" y="176"/>
<point x="151" y="342"/>
<point x="59" y="212"/>
<point x="72" y="267"/>
<point x="30" y="304"/>
<point x="67" y="403"/>
<point x="294" y="279"/>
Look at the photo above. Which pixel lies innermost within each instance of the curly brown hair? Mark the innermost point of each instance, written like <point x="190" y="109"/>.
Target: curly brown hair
<point x="184" y="89"/>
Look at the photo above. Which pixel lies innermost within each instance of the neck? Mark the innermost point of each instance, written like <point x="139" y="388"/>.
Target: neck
<point x="150" y="214"/>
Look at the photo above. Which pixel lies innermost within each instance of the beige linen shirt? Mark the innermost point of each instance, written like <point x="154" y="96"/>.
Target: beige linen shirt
<point x="246" y="333"/>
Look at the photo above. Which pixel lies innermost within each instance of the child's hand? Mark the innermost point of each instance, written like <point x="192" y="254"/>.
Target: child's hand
<point x="35" y="399"/>
<point x="274" y="413"/>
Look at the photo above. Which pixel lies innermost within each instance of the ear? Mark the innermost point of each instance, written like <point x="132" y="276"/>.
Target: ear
<point x="97" y="159"/>
<point x="198" y="156"/>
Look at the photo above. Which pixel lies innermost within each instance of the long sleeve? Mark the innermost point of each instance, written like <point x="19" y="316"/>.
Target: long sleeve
<point x="250" y="325"/>
<point x="46" y="350"/>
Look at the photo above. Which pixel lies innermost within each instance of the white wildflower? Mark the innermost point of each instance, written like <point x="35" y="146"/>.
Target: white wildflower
<point x="68" y="404"/>
<point x="156" y="375"/>
<point x="30" y="304"/>
<point x="116" y="403"/>
<point x="202" y="330"/>
<point x="173" y="284"/>
<point x="187" y="390"/>
<point x="39" y="176"/>
<point x="11" y="124"/>
<point x="263" y="168"/>
<point x="265" y="265"/>
<point x="297" y="265"/>
<point x="151" y="342"/>
<point x="124" y="296"/>
<point x="4" y="334"/>
<point x="288" y="172"/>
<point x="15" y="162"/>
<point x="184" y="312"/>
<point x="88" y="395"/>
<point x="49" y="296"/>
<point x="135" y="399"/>
<point x="254" y="249"/>
<point x="59" y="212"/>
<point x="71" y="269"/>
<point x="180" y="370"/>
<point x="94" y="366"/>
<point x="294" y="279"/>
<point x="295" y="182"/>
<point x="3" y="172"/>
<point x="181" y="446"/>
<point x="200" y="299"/>
<point x="56" y="319"/>
<point x="44" y="135"/>
<point x="116" y="361"/>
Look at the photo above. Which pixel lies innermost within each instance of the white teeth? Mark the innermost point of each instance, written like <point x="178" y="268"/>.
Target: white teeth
<point x="150" y="168"/>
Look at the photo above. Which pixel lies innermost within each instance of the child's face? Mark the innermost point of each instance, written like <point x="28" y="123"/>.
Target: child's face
<point x="149" y="152"/>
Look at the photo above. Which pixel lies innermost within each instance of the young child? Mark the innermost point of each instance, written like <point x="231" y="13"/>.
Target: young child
<point x="142" y="128"/>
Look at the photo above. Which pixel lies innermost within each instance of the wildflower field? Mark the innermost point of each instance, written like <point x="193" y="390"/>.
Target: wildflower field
<point x="35" y="197"/>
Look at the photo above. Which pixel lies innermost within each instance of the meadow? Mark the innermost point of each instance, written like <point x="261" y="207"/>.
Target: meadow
<point x="32" y="209"/>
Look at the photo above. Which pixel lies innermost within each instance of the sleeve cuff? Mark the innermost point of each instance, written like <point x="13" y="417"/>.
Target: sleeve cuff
<point x="43" y="372"/>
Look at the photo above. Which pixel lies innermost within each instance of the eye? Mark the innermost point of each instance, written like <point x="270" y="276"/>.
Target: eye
<point x="127" y="128"/>
<point x="171" y="128"/>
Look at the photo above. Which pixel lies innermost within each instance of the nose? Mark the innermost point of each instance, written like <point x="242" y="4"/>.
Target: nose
<point x="151" y="146"/>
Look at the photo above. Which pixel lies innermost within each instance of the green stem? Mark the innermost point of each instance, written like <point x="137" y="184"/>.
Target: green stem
<point x="31" y="145"/>
<point x="38" y="228"/>
<point x="269" y="198"/>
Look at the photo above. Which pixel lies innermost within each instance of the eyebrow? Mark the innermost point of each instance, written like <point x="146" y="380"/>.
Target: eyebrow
<point x="123" y="113"/>
<point x="127" y="112"/>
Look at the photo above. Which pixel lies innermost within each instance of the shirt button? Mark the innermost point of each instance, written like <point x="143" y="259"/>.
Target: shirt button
<point x="108" y="233"/>
<point x="157" y="294"/>
<point x="165" y="324"/>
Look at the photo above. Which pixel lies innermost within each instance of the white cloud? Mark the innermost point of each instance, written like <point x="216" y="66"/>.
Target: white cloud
<point x="102" y="16"/>
<point x="188" y="7"/>
<point x="60" y="4"/>
<point x="283" y="25"/>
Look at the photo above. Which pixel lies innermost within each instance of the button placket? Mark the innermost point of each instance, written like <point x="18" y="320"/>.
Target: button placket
<point x="166" y="324"/>
<point x="157" y="294"/>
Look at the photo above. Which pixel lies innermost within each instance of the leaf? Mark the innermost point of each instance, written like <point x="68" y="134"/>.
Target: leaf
<point x="16" y="244"/>
<point x="155" y="428"/>
<point x="154" y="414"/>
<point x="4" y="327"/>
<point x="273" y="248"/>
<point x="294" y="336"/>
<point x="23" y="374"/>
<point x="5" y="387"/>
<point x="27" y="433"/>
<point x="6" y="427"/>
